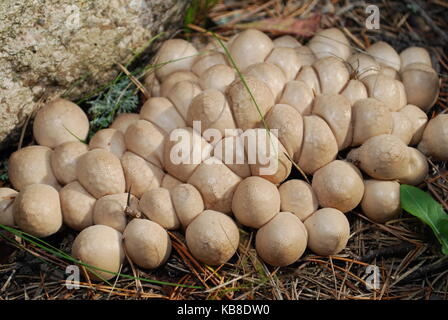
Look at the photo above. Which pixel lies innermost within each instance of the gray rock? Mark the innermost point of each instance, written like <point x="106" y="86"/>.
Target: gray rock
<point x="54" y="47"/>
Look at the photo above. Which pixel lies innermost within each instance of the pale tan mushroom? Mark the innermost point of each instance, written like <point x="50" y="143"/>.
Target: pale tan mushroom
<point x="7" y="198"/>
<point x="109" y="139"/>
<point x="298" y="197"/>
<point x="217" y="77"/>
<point x="330" y="43"/>
<point x="77" y="206"/>
<point x="175" y="78"/>
<point x="230" y="150"/>
<point x="270" y="74"/>
<point x="435" y="138"/>
<point x="384" y="89"/>
<point x="64" y="159"/>
<point x="111" y="210"/>
<point x="286" y="41"/>
<point x="363" y="65"/>
<point x="187" y="202"/>
<point x="161" y="112"/>
<point x="308" y="75"/>
<point x="298" y="95"/>
<point x="182" y="94"/>
<point x="123" y="121"/>
<point x="419" y="119"/>
<point x="385" y="55"/>
<point x="354" y="90"/>
<point x="381" y="200"/>
<point x="174" y="55"/>
<point x="208" y="60"/>
<point x="412" y="55"/>
<point x="157" y="206"/>
<point x="287" y="60"/>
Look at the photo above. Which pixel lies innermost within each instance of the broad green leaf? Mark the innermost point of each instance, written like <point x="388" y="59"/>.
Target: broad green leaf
<point x="423" y="206"/>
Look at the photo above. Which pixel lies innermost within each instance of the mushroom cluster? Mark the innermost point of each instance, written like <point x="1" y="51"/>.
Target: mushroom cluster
<point x="210" y="151"/>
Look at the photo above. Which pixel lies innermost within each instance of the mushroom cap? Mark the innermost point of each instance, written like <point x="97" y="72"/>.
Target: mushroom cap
<point x="421" y="83"/>
<point x="161" y="112"/>
<point x="140" y="175"/>
<point x="417" y="168"/>
<point x="249" y="47"/>
<point x="298" y="197"/>
<point x="187" y="202"/>
<point x="175" y="78"/>
<point x="338" y="185"/>
<point x="157" y="206"/>
<point x="212" y="237"/>
<point x="435" y="138"/>
<point x="286" y="41"/>
<point x="176" y="55"/>
<point x="245" y="112"/>
<point x="298" y="95"/>
<point x="146" y="140"/>
<point x="182" y="94"/>
<point x="306" y="56"/>
<point x="289" y="123"/>
<point x="370" y="117"/>
<point x="7" y="198"/>
<point x="330" y="43"/>
<point x="385" y="55"/>
<point x="123" y="121"/>
<point x="336" y="110"/>
<point x="100" y="247"/>
<point x="217" y="77"/>
<point x="363" y="65"/>
<point x="60" y="121"/>
<point x="384" y="89"/>
<point x="100" y="173"/>
<point x="146" y="243"/>
<point x="152" y="84"/>
<point x="389" y="72"/>
<point x="31" y="165"/>
<point x="110" y="210"/>
<point x="169" y="182"/>
<point x="332" y="73"/>
<point x="418" y="118"/>
<point x="319" y="145"/>
<point x="230" y="150"/>
<point x="308" y="75"/>
<point x="77" y="206"/>
<point x="270" y="74"/>
<point x="281" y="241"/>
<point x="328" y="231"/>
<point x="402" y="127"/>
<point x="37" y="210"/>
<point x="109" y="139"/>
<point x="412" y="55"/>
<point x="64" y="159"/>
<point x="216" y="183"/>
<point x="255" y="202"/>
<point x="381" y="200"/>
<point x="403" y="100"/>
<point x="287" y="60"/>
<point x="205" y="61"/>
<point x="354" y="90"/>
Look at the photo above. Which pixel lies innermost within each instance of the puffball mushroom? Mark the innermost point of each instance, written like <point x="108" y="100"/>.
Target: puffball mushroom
<point x="147" y="243"/>
<point x="218" y="77"/>
<point x="330" y="43"/>
<point x="384" y="89"/>
<point x="328" y="231"/>
<point x="435" y="138"/>
<point x="212" y="237"/>
<point x="31" y="165"/>
<point x="77" y="206"/>
<point x="270" y="74"/>
<point x="182" y="94"/>
<point x="333" y="74"/>
<point x="298" y="95"/>
<point x="110" y="210"/>
<point x="205" y="61"/>
<point x="109" y="139"/>
<point x="175" y="78"/>
<point x="161" y="112"/>
<point x="308" y="75"/>
<point x="402" y="127"/>
<point x="281" y="241"/>
<point x="60" y="121"/>
<point x="64" y="159"/>
<point x="230" y="150"/>
<point x="169" y="182"/>
<point x="338" y="185"/>
<point x="7" y="198"/>
<point x="305" y="55"/>
<point x="174" y="55"/>
<point x="123" y="121"/>
<point x="354" y="90"/>
<point x="298" y="197"/>
<point x="414" y="55"/>
<point x="385" y="55"/>
<point x="100" y="247"/>
<point x="100" y="173"/>
<point x="287" y="60"/>
<point x="381" y="200"/>
<point x="37" y="210"/>
<point x="187" y="202"/>
<point x="417" y="168"/>
<point x="419" y="119"/>
<point x="286" y="41"/>
<point x="363" y="65"/>
<point x="157" y="206"/>
<point x="255" y="202"/>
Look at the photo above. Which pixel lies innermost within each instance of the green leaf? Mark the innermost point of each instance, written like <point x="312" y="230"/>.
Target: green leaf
<point x="423" y="206"/>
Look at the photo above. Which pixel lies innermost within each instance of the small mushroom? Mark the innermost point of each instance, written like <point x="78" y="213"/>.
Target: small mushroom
<point x="100" y="247"/>
<point x="330" y="43"/>
<point x="281" y="241"/>
<point x="169" y="182"/>
<point x="298" y="197"/>
<point x="7" y="198"/>
<point x="174" y="55"/>
<point x="111" y="210"/>
<point x="157" y="206"/>
<point x="385" y="55"/>
<point x="175" y="78"/>
<point x="298" y="95"/>
<point x="255" y="202"/>
<point x="212" y="237"/>
<point x="271" y="75"/>
<point x="417" y="168"/>
<point x="60" y="121"/>
<point x="109" y="139"/>
<point x="287" y="60"/>
<point x="402" y="127"/>
<point x="147" y="243"/>
<point x="384" y="89"/>
<point x="419" y="119"/>
<point x="187" y="202"/>
<point x="381" y="200"/>
<point x="308" y="75"/>
<point x="412" y="55"/>
<point x="435" y="138"/>
<point x="328" y="231"/>
<point x="363" y="65"/>
<point x="123" y="121"/>
<point x="286" y="41"/>
<point x="205" y="61"/>
<point x="152" y="84"/>
<point x="217" y="77"/>
<point x="182" y="94"/>
<point x="306" y="56"/>
<point x="64" y="159"/>
<point x="230" y="150"/>
<point x="161" y="112"/>
<point x="77" y="206"/>
<point x="355" y="90"/>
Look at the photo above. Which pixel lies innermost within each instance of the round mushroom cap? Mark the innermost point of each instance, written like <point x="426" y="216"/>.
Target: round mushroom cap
<point x="109" y="139"/>
<point x="175" y="78"/>
<point x="161" y="112"/>
<point x="332" y="73"/>
<point x="389" y="72"/>
<point x="100" y="247"/>
<point x="110" y="210"/>
<point x="169" y="182"/>
<point x="298" y="95"/>
<point x="255" y="202"/>
<point x="147" y="243"/>
<point x="308" y="75"/>
<point x="281" y="241"/>
<point x="419" y="119"/>
<point x="157" y="206"/>
<point x="384" y="89"/>
<point x="60" y="121"/>
<point x="328" y="231"/>
<point x="205" y="61"/>
<point x="182" y="94"/>
<point x="64" y="159"/>
<point x="402" y="127"/>
<point x="249" y="47"/>
<point x="31" y="165"/>
<point x="417" y="168"/>
<point x="152" y="84"/>
<point x="330" y="43"/>
<point x="363" y="65"/>
<point x="287" y="60"/>
<point x="217" y="77"/>
<point x="77" y="206"/>
<point x="100" y="173"/>
<point x="230" y="150"/>
<point x="175" y="55"/>
<point x="381" y="200"/>
<point x="270" y="74"/>
<point x="37" y="210"/>
<point x="123" y="121"/>
<point x="212" y="237"/>
<point x="421" y="83"/>
<point x="7" y="198"/>
<point x="187" y="202"/>
<point x="385" y="55"/>
<point x="306" y="56"/>
<point x="435" y="138"/>
<point x="298" y="197"/>
<point x="354" y="91"/>
<point x="286" y="41"/>
<point x="338" y="185"/>
<point x="412" y="55"/>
